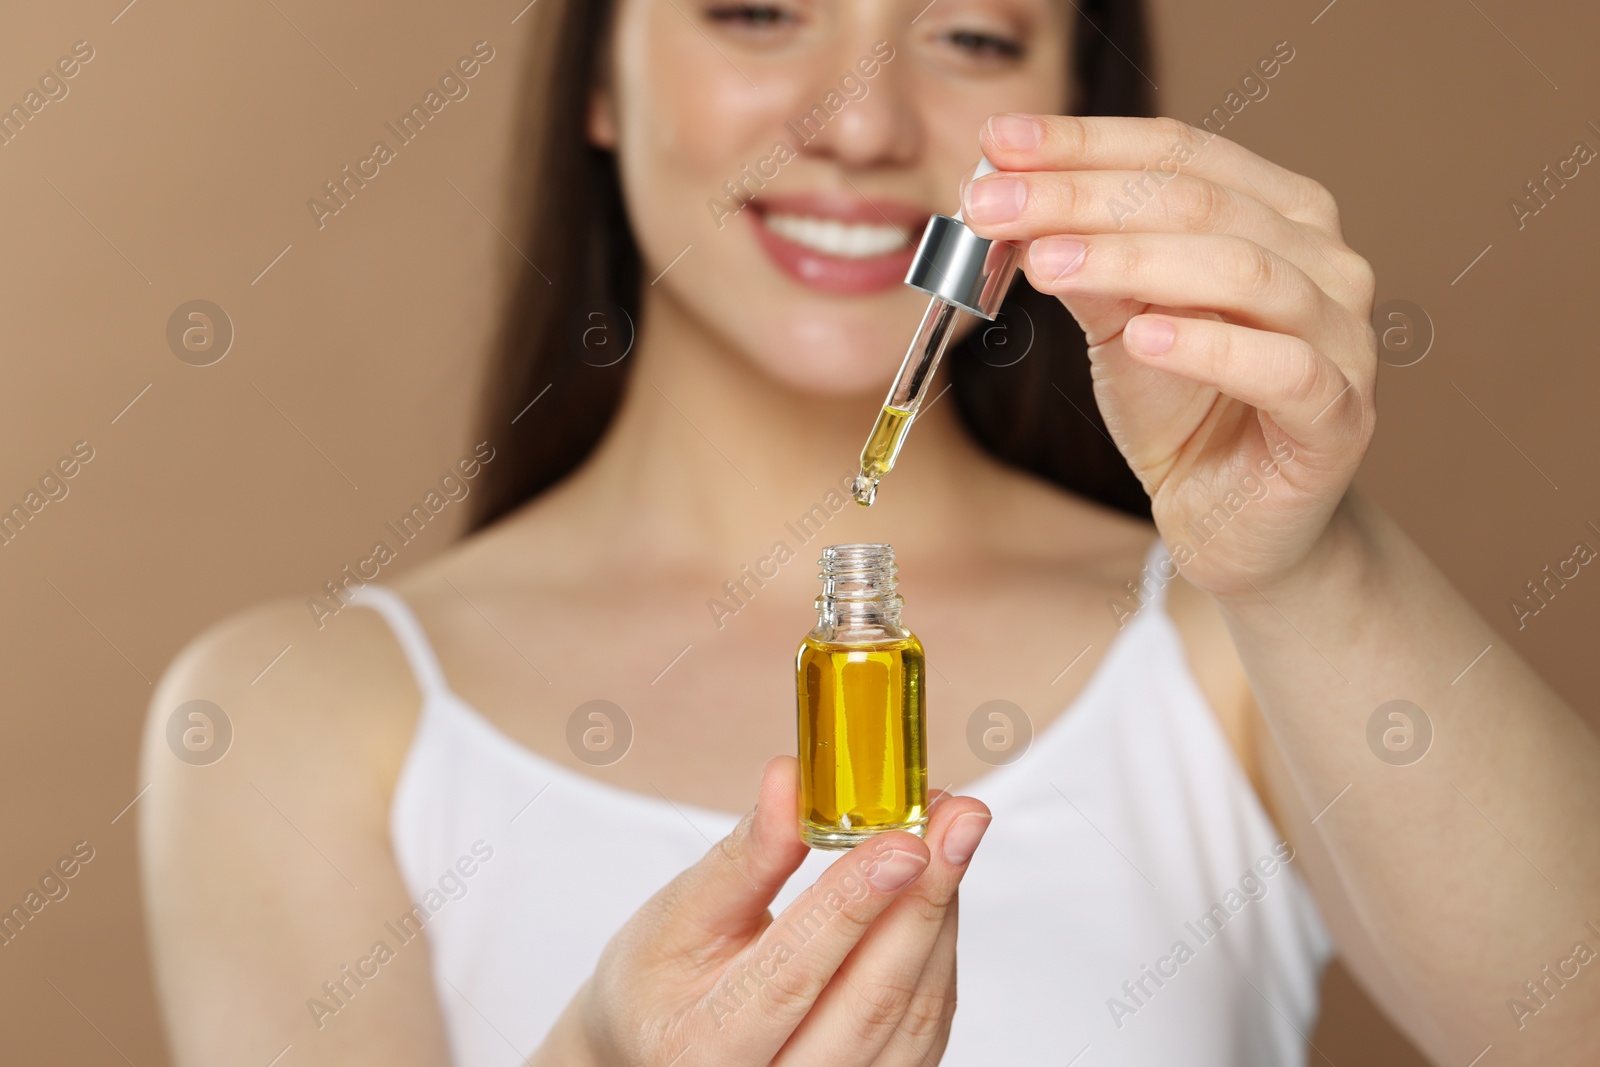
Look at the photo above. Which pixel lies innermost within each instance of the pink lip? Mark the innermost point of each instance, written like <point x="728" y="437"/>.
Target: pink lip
<point x="837" y="274"/>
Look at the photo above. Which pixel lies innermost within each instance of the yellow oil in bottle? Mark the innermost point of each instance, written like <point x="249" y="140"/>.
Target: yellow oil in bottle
<point x="863" y="745"/>
<point x="880" y="452"/>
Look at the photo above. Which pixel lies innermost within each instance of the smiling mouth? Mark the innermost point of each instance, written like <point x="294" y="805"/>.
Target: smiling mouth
<point x="839" y="244"/>
<point x="831" y="237"/>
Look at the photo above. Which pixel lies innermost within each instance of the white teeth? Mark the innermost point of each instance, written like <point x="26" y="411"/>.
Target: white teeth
<point x="849" y="240"/>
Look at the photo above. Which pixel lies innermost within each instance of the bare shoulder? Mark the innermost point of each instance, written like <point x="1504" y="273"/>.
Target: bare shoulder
<point x="270" y="753"/>
<point x="290" y="690"/>
<point x="268" y="709"/>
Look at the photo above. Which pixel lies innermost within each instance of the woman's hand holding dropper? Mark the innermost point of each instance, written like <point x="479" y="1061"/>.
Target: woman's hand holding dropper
<point x="1235" y="365"/>
<point x="1227" y="321"/>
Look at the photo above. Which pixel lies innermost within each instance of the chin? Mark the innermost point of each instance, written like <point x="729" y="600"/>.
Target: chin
<point x="839" y="373"/>
<point x="830" y="355"/>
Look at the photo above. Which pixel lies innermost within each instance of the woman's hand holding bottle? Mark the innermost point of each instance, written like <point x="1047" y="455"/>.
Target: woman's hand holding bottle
<point x="858" y="970"/>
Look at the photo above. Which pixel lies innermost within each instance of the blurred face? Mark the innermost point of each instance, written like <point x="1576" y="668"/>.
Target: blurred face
<point x="779" y="160"/>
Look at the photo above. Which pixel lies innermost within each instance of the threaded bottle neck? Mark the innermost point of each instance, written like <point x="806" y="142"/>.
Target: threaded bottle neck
<point x="859" y="584"/>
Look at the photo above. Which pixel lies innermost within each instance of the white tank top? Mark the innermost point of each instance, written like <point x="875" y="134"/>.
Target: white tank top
<point x="1128" y="904"/>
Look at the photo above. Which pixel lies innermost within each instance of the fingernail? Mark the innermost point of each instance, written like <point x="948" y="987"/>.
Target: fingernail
<point x="892" y="869"/>
<point x="1151" y="336"/>
<point x="1056" y="257"/>
<point x="961" y="840"/>
<point x="994" y="199"/>
<point x="1018" y="132"/>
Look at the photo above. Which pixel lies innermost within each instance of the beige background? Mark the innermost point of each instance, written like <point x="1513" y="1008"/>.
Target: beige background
<point x="179" y="165"/>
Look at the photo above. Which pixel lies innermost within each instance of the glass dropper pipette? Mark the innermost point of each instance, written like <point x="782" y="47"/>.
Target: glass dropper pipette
<point x="959" y="271"/>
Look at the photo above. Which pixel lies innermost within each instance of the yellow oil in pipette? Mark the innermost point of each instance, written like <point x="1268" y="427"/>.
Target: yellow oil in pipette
<point x="882" y="448"/>
<point x="905" y="399"/>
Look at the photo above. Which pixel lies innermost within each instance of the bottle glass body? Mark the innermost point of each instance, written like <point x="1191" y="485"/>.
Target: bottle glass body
<point x="862" y="706"/>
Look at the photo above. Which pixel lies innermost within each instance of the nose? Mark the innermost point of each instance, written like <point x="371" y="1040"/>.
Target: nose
<point x="863" y="114"/>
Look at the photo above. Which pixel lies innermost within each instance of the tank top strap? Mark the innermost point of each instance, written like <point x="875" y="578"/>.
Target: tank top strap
<point x="1158" y="572"/>
<point x="409" y="633"/>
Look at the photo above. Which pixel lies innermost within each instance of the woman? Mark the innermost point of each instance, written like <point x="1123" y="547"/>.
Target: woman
<point x="405" y="859"/>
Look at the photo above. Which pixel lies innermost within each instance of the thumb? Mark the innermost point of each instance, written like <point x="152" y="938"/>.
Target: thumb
<point x="727" y="893"/>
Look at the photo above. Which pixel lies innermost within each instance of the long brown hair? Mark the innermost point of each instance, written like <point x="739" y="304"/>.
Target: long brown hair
<point x="550" y="400"/>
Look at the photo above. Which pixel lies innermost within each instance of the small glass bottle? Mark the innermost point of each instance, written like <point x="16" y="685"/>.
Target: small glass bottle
<point x="859" y="682"/>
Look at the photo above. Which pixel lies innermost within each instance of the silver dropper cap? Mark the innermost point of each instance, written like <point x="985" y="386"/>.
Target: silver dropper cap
<point x="961" y="268"/>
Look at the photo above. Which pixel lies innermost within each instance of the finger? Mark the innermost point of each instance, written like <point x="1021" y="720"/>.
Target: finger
<point x="880" y="985"/>
<point x="727" y="893"/>
<point x="1304" y="392"/>
<point x="1229" y="275"/>
<point x="767" y="990"/>
<point x="924" y="1029"/>
<point x="1022" y="206"/>
<point x="1160" y="146"/>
